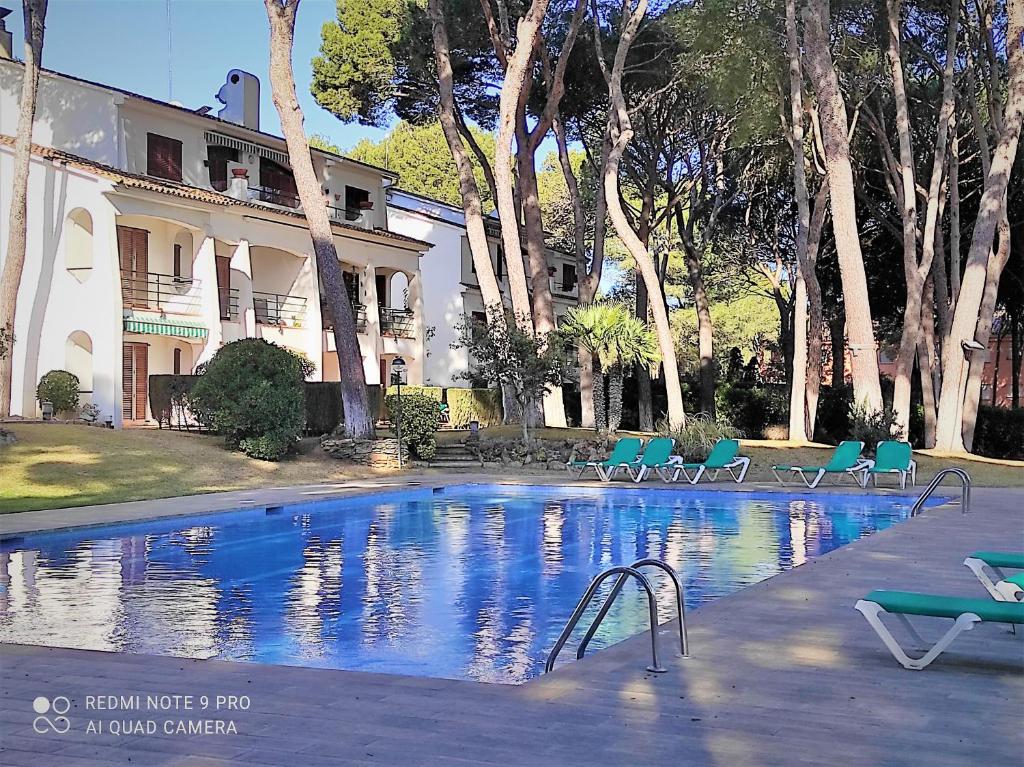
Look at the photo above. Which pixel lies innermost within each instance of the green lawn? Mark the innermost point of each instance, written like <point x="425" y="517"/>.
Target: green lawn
<point x="60" y="465"/>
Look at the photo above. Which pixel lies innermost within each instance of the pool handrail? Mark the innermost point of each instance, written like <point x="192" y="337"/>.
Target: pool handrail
<point x="652" y="607"/>
<point x="965" y="495"/>
<point x="617" y="587"/>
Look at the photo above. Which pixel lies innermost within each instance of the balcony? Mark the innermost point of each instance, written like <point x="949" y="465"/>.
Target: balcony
<point x="362" y="217"/>
<point x="167" y="292"/>
<point x="278" y="309"/>
<point x="396" y="323"/>
<point x="358" y="311"/>
<point x="274" y="196"/>
<point x="228" y="300"/>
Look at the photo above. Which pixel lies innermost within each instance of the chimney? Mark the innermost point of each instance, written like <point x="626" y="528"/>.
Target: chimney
<point x="238" y="184"/>
<point x="6" y="38"/>
<point x="240" y="95"/>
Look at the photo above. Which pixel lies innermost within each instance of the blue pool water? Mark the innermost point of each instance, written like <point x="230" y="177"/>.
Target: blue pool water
<point x="468" y="582"/>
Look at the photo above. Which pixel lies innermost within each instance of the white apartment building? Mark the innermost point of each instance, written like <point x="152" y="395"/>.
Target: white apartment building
<point x="451" y="284"/>
<point x="157" y="233"/>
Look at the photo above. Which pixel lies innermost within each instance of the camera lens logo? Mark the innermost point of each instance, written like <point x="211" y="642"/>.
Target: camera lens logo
<point x="56" y="708"/>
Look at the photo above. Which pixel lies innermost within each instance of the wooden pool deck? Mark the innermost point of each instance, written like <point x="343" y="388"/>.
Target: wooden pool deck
<point x="783" y="673"/>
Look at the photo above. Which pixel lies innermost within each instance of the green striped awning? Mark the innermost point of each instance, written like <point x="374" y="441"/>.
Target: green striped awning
<point x="162" y="326"/>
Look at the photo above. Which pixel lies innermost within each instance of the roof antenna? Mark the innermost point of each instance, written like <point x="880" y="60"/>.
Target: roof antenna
<point x="170" y="81"/>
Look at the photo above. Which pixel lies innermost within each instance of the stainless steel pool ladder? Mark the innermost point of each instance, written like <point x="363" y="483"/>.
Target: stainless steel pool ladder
<point x="965" y="496"/>
<point x="624" y="573"/>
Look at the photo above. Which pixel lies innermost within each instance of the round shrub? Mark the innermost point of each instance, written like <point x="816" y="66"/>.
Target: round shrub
<point x="252" y="393"/>
<point x="420" y="416"/>
<point x="61" y="388"/>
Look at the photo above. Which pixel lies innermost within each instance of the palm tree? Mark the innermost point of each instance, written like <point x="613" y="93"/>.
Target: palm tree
<point x="634" y="344"/>
<point x="616" y="339"/>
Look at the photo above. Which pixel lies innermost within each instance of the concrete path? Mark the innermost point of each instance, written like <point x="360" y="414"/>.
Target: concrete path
<point x="783" y="673"/>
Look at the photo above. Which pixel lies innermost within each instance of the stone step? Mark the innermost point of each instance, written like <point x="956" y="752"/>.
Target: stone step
<point x="446" y="464"/>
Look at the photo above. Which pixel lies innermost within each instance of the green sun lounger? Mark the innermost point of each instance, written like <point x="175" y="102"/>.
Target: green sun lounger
<point x="845" y="460"/>
<point x="964" y="613"/>
<point x="657" y="457"/>
<point x="1002" y="588"/>
<point x="724" y="456"/>
<point x="626" y="450"/>
<point x="891" y="457"/>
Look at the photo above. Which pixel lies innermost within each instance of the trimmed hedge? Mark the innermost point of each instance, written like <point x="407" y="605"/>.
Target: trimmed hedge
<point x="999" y="432"/>
<point x="435" y="393"/>
<point x="465" y="405"/>
<point x="324" y="410"/>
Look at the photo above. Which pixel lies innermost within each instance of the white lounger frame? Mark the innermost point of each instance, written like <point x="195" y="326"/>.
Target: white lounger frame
<point x="821" y="473"/>
<point x="912" y="471"/>
<point x="742" y="463"/>
<point x="872" y="612"/>
<point x="999" y="589"/>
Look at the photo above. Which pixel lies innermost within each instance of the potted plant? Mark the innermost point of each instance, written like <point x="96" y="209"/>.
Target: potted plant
<point x="366" y="205"/>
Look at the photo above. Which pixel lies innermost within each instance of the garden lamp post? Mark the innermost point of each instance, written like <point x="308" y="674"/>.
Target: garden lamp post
<point x="397" y="371"/>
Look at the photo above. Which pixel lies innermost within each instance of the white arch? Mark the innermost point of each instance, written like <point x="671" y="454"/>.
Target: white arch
<point x="78" y="244"/>
<point x="78" y="360"/>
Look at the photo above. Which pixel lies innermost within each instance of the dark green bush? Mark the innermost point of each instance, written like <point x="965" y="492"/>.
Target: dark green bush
<point x="169" y="398"/>
<point x="420" y="417"/>
<point x="999" y="432"/>
<point x="751" y="409"/>
<point x="465" y="405"/>
<point x="871" y="426"/>
<point x="61" y="388"/>
<point x="833" y="422"/>
<point x="252" y="391"/>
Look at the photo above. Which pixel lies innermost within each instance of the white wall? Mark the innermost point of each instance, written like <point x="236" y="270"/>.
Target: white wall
<point x="52" y="304"/>
<point x="443" y="308"/>
<point x="78" y="118"/>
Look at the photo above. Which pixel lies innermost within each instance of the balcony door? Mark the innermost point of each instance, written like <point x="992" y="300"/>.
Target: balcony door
<point x="133" y="252"/>
<point x="134" y="381"/>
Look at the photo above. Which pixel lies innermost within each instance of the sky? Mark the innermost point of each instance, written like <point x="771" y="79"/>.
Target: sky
<point x="125" y="43"/>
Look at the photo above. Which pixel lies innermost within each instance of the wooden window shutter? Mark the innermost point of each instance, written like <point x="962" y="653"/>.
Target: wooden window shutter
<point x="163" y="157"/>
<point x="128" y="381"/>
<point x="133" y="255"/>
<point x="141" y="380"/>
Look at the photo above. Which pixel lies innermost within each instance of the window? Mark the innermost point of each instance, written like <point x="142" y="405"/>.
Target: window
<point x="217" y="160"/>
<point x="163" y="157"/>
<point x="478" y="324"/>
<point x="177" y="362"/>
<point x="177" y="260"/>
<point x="568" y="278"/>
<point x="500" y="265"/>
<point x="356" y="200"/>
<point x="277" y="184"/>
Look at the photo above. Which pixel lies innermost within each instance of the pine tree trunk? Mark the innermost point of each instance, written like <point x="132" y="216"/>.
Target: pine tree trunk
<point x="835" y="129"/>
<point x="615" y="376"/>
<point x="355" y="401"/>
<point x="837" y="331"/>
<point x="644" y="395"/>
<point x="17" y="231"/>
<point x="927" y="363"/>
<point x="815" y="319"/>
<point x="917" y="272"/>
<point x="536" y="251"/>
<point x="519" y="66"/>
<point x="621" y="132"/>
<point x="967" y="319"/>
<point x="705" y="330"/>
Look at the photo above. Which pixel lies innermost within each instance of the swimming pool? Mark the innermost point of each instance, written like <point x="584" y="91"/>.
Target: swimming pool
<point x="466" y="582"/>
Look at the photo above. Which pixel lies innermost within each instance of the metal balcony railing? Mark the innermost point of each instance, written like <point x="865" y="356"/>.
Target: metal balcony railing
<point x="274" y="196"/>
<point x="279" y="309"/>
<point x="396" y="323"/>
<point x="152" y="290"/>
<point x="228" y="298"/>
<point x="358" y="310"/>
